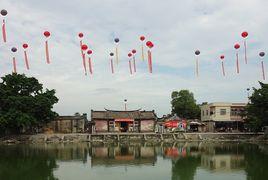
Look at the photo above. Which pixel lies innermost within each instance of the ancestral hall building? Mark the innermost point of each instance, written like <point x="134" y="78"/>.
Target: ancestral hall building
<point x="123" y="121"/>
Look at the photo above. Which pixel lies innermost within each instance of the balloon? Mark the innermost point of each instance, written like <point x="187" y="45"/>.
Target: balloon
<point x="197" y="52"/>
<point x="111" y="54"/>
<point x="262" y="54"/>
<point x="84" y="47"/>
<point x="14" y="49"/>
<point x="3" y="12"/>
<point x="89" y="52"/>
<point x="80" y="35"/>
<point x="222" y="56"/>
<point x="116" y="40"/>
<point x="47" y="33"/>
<point x="237" y="46"/>
<point x="142" y="38"/>
<point x="25" y="46"/>
<point x="133" y="51"/>
<point x="129" y="54"/>
<point x="244" y="34"/>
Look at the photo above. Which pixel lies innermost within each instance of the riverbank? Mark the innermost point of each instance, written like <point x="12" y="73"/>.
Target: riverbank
<point x="124" y="137"/>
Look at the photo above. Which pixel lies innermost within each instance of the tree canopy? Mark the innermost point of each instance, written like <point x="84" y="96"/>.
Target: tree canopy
<point x="257" y="108"/>
<point x="184" y="105"/>
<point x="24" y="103"/>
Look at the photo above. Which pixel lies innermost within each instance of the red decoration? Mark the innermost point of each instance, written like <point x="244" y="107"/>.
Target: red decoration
<point x="222" y="65"/>
<point x="14" y="65"/>
<point x="244" y="34"/>
<point x="150" y="45"/>
<point x="134" y="59"/>
<point x="222" y="56"/>
<point x="133" y="51"/>
<point x="47" y="34"/>
<point x="81" y="35"/>
<point x="25" y="46"/>
<point x="89" y="52"/>
<point x="4" y="31"/>
<point x="237" y="46"/>
<point x="84" y="47"/>
<point x="129" y="54"/>
<point x="142" y="38"/>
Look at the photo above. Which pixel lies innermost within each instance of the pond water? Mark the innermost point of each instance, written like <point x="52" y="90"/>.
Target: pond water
<point x="179" y="161"/>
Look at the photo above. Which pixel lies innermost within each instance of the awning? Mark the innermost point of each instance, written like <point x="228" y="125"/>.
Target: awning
<point x="124" y="120"/>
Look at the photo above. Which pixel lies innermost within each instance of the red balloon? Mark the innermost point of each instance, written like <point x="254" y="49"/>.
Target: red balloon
<point x="133" y="51"/>
<point x="25" y="46"/>
<point x="84" y="47"/>
<point x="244" y="34"/>
<point x="222" y="56"/>
<point x="142" y="38"/>
<point x="129" y="54"/>
<point x="81" y="35"/>
<point x="47" y="33"/>
<point x="237" y="46"/>
<point x="89" y="51"/>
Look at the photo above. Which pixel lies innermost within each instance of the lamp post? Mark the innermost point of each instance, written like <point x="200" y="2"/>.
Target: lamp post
<point x="125" y="104"/>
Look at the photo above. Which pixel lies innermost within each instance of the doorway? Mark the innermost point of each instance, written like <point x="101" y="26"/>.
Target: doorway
<point x="124" y="126"/>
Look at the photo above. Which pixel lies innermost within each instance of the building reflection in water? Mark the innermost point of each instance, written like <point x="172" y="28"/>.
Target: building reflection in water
<point x="123" y="155"/>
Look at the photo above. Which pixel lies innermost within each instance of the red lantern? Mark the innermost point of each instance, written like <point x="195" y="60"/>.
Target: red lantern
<point x="150" y="45"/>
<point x="25" y="46"/>
<point x="133" y="51"/>
<point x="134" y="59"/>
<point x="222" y="65"/>
<point x="47" y="34"/>
<point x="222" y="56"/>
<point x="129" y="63"/>
<point x="142" y="38"/>
<point x="129" y="54"/>
<point x="237" y="46"/>
<point x="80" y="35"/>
<point x="89" y="52"/>
<point x="245" y="35"/>
<point x="84" y="47"/>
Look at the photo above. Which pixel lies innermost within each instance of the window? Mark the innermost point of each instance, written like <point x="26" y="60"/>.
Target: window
<point x="207" y="113"/>
<point x="203" y="112"/>
<point x="222" y="112"/>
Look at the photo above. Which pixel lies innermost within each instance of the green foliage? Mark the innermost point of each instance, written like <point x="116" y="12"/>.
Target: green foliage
<point x="24" y="103"/>
<point x="256" y="111"/>
<point x="184" y="105"/>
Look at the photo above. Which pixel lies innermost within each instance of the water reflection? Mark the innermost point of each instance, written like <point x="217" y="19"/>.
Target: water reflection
<point x="187" y="160"/>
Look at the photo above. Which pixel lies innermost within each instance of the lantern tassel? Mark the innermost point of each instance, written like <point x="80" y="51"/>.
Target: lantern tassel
<point x="112" y="66"/>
<point x="26" y="60"/>
<point x="222" y="67"/>
<point x="116" y="54"/>
<point x="246" y="59"/>
<point x="130" y="67"/>
<point x="142" y="52"/>
<point x="237" y="63"/>
<point x="150" y="61"/>
<point x="84" y="63"/>
<point x="134" y="63"/>
<point x="197" y="67"/>
<point x="47" y="53"/>
<point x="90" y="65"/>
<point x="14" y="65"/>
<point x="4" y="31"/>
<point x="263" y="73"/>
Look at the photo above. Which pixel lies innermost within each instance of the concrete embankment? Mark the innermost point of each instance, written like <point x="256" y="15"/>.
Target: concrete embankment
<point x="124" y="137"/>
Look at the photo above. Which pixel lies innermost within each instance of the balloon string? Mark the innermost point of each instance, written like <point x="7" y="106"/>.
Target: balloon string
<point x="130" y="67"/>
<point x="116" y="54"/>
<point x="222" y="66"/>
<point x="4" y="31"/>
<point x="84" y="63"/>
<point x="142" y="52"/>
<point x="26" y="60"/>
<point x="47" y="53"/>
<point x="90" y="65"/>
<point x="237" y="63"/>
<point x="112" y="66"/>
<point x="197" y="67"/>
<point x="134" y="63"/>
<point x="263" y="74"/>
<point x="246" y="59"/>
<point x="14" y="65"/>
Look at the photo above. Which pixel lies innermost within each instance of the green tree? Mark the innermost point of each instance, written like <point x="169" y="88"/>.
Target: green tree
<point x="256" y="111"/>
<point x="24" y="103"/>
<point x="184" y="105"/>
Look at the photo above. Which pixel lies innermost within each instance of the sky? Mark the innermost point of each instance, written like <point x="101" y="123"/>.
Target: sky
<point x="176" y="27"/>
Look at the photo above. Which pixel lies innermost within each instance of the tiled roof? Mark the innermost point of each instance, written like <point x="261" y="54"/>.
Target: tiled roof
<point x="110" y="114"/>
